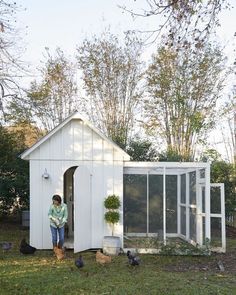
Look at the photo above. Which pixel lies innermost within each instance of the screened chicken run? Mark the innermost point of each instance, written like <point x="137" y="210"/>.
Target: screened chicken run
<point x="168" y="202"/>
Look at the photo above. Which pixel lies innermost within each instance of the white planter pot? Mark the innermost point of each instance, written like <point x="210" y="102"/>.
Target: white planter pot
<point x="111" y="245"/>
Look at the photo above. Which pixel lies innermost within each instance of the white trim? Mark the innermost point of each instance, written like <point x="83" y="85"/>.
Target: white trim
<point x="207" y="204"/>
<point x="221" y="249"/>
<point x="217" y="185"/>
<point x="216" y="215"/>
<point x="172" y="235"/>
<point x="141" y="235"/>
<point x="167" y="164"/>
<point x="164" y="205"/>
<point x="223" y="217"/>
<point x="74" y="116"/>
<point x="199" y="231"/>
<point x="187" y="207"/>
<point x="178" y="203"/>
<point x="147" y="203"/>
<point x="156" y="171"/>
<point x="72" y="160"/>
<point x="154" y="235"/>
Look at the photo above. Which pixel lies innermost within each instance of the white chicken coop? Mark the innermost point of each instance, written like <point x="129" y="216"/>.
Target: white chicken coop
<point x="159" y="200"/>
<point x="172" y="200"/>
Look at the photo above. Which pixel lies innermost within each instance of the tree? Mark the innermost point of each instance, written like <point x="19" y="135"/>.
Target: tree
<point x="227" y="123"/>
<point x="11" y="66"/>
<point x="210" y="155"/>
<point x="181" y="18"/>
<point x="29" y="133"/>
<point x="111" y="74"/>
<point x="53" y="99"/>
<point x="14" y="175"/>
<point x="171" y="156"/>
<point x="141" y="150"/>
<point x="223" y="172"/>
<point x="183" y="87"/>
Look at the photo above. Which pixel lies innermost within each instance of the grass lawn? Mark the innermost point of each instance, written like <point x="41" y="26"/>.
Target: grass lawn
<point x="42" y="274"/>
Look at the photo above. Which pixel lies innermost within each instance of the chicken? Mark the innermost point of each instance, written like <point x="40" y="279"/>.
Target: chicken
<point x="79" y="262"/>
<point x="60" y="253"/>
<point x="6" y="246"/>
<point x="25" y="248"/>
<point x="133" y="260"/>
<point x="101" y="258"/>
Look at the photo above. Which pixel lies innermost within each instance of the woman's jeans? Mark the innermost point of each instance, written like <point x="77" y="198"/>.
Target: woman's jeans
<point x="60" y="232"/>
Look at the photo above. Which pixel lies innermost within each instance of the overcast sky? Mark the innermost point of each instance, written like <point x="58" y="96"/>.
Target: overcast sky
<point x="65" y="23"/>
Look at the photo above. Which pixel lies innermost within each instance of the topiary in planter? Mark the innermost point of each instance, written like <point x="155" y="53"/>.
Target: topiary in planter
<point x="112" y="202"/>
<point x="112" y="216"/>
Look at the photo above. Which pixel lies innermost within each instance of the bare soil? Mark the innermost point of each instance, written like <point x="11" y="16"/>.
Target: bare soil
<point x="217" y="262"/>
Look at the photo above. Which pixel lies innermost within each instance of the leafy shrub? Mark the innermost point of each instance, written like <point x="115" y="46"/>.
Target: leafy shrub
<point x="112" y="202"/>
<point x="112" y="217"/>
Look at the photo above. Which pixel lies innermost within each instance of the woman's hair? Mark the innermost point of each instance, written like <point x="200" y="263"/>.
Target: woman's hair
<point x="57" y="198"/>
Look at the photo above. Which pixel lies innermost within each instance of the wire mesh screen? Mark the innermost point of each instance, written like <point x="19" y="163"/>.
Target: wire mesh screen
<point x="192" y="188"/>
<point x="202" y="173"/>
<point x="203" y="198"/>
<point x="203" y="230"/>
<point x="171" y="203"/>
<point x="215" y="200"/>
<point x="183" y="220"/>
<point x="192" y="227"/>
<point x="135" y="203"/>
<point x="183" y="188"/>
<point x="156" y="204"/>
<point x="143" y="211"/>
<point x="216" y="232"/>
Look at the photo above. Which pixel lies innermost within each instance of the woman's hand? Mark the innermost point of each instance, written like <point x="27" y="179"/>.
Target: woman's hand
<point x="55" y="221"/>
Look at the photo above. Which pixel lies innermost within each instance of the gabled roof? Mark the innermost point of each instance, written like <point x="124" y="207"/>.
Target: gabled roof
<point x="73" y="116"/>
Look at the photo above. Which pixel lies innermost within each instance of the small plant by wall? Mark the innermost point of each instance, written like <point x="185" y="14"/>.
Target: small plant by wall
<point x="184" y="248"/>
<point x="112" y="215"/>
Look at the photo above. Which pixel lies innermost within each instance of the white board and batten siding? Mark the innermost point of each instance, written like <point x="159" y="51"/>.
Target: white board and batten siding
<point x="76" y="143"/>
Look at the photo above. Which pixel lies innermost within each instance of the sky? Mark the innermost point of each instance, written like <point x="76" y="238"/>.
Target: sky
<point x="53" y="23"/>
<point x="65" y="23"/>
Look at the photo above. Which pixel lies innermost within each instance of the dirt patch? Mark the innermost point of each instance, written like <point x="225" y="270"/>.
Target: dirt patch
<point x="212" y="263"/>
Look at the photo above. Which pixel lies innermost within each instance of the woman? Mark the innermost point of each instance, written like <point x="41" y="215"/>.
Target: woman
<point x="58" y="215"/>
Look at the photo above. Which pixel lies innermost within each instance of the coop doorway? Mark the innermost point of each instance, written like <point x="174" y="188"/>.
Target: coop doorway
<point x="69" y="200"/>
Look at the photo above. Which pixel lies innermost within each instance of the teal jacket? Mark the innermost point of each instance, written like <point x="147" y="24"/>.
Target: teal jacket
<point x="58" y="215"/>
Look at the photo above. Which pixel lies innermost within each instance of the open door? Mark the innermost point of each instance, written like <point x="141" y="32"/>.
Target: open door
<point x="82" y="209"/>
<point x="218" y="232"/>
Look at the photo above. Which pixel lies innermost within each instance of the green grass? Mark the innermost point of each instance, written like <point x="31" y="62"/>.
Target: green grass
<point x="42" y="274"/>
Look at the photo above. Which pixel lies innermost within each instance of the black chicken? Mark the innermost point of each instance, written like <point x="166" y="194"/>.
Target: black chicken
<point x="25" y="248"/>
<point x="133" y="260"/>
<point x="79" y="262"/>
